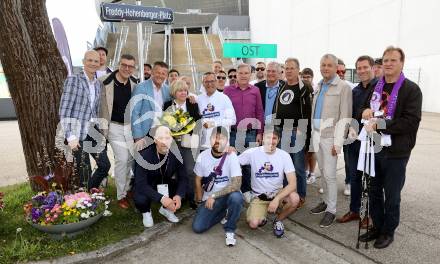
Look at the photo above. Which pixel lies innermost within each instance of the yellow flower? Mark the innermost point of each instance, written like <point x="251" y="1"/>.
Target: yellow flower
<point x="170" y="120"/>
<point x="182" y="120"/>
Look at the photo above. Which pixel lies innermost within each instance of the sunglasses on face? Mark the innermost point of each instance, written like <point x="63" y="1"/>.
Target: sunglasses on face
<point x="340" y="72"/>
<point x="221" y="78"/>
<point x="232" y="76"/>
<point x="260" y="69"/>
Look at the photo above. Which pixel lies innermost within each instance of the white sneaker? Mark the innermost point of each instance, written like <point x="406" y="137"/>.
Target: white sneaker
<point x="321" y="190"/>
<point x="169" y="215"/>
<point x="230" y="239"/>
<point x="311" y="179"/>
<point x="247" y="196"/>
<point x="147" y="219"/>
<point x="347" y="190"/>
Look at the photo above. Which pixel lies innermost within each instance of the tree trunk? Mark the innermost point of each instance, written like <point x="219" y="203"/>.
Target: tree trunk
<point x="35" y="74"/>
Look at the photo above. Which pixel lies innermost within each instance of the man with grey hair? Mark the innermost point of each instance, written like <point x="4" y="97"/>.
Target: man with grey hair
<point x="293" y="108"/>
<point x="269" y="89"/>
<point x="331" y="113"/>
<point x="215" y="108"/>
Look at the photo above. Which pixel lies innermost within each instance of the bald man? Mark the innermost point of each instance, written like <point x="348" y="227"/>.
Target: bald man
<point x="78" y="116"/>
<point x="159" y="177"/>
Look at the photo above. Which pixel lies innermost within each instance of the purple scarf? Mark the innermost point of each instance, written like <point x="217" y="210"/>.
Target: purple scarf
<point x="377" y="96"/>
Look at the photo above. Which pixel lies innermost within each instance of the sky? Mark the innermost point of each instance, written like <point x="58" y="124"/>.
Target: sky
<point x="80" y="21"/>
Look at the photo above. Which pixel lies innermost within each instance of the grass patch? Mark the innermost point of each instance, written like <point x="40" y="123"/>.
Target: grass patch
<point x="31" y="244"/>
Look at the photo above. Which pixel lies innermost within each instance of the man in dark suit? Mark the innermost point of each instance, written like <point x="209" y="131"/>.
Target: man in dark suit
<point x="159" y="177"/>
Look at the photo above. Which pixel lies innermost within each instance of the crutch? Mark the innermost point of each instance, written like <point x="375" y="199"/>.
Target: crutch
<point x="365" y="190"/>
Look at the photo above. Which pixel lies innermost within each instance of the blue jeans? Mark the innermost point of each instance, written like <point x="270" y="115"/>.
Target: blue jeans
<point x="251" y="136"/>
<point x="299" y="163"/>
<point x="385" y="190"/>
<point x="205" y="218"/>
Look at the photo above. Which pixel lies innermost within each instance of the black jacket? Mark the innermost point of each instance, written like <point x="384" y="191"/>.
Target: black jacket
<point x="146" y="179"/>
<point x="405" y="123"/>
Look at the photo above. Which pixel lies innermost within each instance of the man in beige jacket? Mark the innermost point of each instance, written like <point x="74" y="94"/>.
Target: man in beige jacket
<point x="331" y="114"/>
<point x="118" y="87"/>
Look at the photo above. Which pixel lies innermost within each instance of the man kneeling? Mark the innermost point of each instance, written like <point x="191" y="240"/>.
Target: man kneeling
<point x="268" y="166"/>
<point x="160" y="177"/>
<point x="220" y="175"/>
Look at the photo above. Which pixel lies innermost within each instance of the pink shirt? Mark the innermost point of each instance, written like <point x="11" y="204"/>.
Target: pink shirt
<point x="247" y="104"/>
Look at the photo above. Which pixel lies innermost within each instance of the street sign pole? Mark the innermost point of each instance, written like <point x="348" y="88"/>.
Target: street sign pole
<point x="140" y="42"/>
<point x="113" y="12"/>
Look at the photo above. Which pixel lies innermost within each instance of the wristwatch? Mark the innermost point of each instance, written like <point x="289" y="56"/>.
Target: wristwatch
<point x="213" y="196"/>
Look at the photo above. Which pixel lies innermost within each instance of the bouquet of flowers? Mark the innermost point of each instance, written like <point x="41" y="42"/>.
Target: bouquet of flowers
<point x="56" y="208"/>
<point x="2" y="205"/>
<point x="179" y="122"/>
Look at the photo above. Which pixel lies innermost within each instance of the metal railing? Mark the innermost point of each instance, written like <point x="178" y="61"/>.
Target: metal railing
<point x="223" y="40"/>
<point x="148" y="31"/>
<point x="209" y="45"/>
<point x="120" y="43"/>
<point x="191" y="60"/>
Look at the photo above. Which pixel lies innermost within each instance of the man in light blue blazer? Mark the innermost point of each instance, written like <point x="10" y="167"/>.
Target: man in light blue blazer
<point x="147" y="101"/>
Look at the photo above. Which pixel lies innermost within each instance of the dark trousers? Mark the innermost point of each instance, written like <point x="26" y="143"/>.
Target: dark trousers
<point x="83" y="167"/>
<point x="346" y="161"/>
<point x="385" y="190"/>
<point x="355" y="176"/>
<point x="145" y="206"/>
<point x="250" y="136"/>
<point x="188" y="162"/>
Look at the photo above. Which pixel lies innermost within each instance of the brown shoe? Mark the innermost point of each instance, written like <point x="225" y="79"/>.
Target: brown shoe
<point x="301" y="203"/>
<point x="348" y="217"/>
<point x="364" y="223"/>
<point x="123" y="203"/>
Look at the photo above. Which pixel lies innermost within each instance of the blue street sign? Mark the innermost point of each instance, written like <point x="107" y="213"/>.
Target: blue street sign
<point x="135" y="13"/>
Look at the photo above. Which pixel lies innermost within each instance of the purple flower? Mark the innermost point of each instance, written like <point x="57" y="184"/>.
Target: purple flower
<point x="36" y="214"/>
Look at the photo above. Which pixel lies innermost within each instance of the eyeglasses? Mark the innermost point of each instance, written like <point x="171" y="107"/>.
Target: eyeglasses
<point x="221" y="77"/>
<point x="340" y="72"/>
<point x="260" y="69"/>
<point x="232" y="76"/>
<point x="130" y="67"/>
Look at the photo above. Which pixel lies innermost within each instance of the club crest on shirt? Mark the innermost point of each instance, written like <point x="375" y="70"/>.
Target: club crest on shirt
<point x="209" y="111"/>
<point x="286" y="97"/>
<point x="266" y="171"/>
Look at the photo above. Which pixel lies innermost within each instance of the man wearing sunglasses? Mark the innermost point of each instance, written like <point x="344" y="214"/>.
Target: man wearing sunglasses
<point x="260" y="69"/>
<point x="118" y="87"/>
<point x="340" y="71"/>
<point x="232" y="76"/>
<point x="220" y="80"/>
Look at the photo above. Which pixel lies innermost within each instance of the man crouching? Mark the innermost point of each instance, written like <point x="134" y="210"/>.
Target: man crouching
<point x="218" y="181"/>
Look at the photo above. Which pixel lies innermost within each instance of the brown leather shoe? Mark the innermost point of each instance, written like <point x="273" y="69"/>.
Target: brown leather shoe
<point x="301" y="203"/>
<point x="364" y="223"/>
<point x="348" y="217"/>
<point x="123" y="203"/>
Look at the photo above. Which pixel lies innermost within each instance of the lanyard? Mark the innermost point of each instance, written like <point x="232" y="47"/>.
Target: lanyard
<point x="162" y="173"/>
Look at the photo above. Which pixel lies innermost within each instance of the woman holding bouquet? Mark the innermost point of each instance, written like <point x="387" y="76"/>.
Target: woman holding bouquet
<point x="181" y="116"/>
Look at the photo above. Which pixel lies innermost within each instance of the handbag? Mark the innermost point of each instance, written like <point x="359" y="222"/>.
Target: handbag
<point x="208" y="182"/>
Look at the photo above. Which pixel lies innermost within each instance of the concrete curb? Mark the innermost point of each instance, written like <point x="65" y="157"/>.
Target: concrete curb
<point x="128" y="244"/>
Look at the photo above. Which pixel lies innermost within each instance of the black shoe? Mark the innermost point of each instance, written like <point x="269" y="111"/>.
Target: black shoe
<point x="319" y="209"/>
<point x="327" y="220"/>
<point x="383" y="241"/>
<point x="193" y="205"/>
<point x="370" y="235"/>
